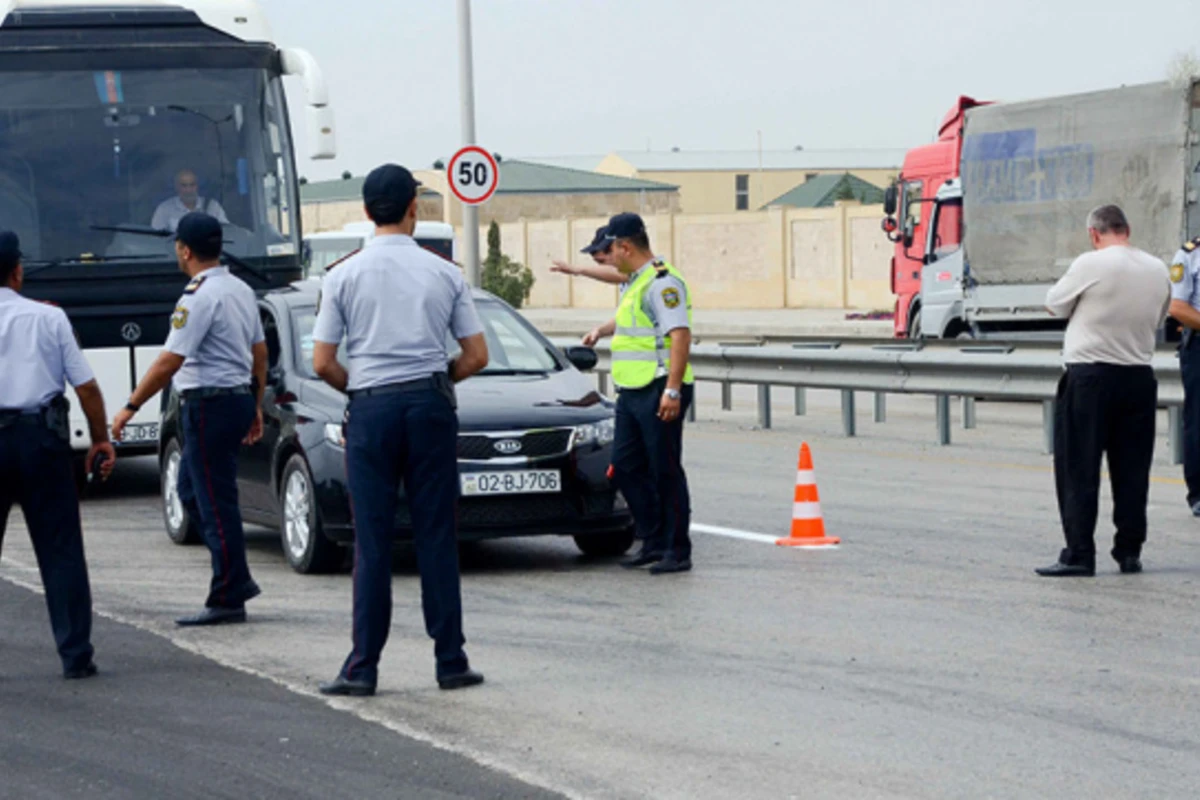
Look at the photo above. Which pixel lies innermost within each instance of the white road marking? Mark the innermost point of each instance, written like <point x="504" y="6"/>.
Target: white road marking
<point x="750" y="536"/>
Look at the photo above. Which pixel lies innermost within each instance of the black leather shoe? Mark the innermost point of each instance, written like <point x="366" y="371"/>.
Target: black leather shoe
<point x="213" y="616"/>
<point x="252" y="591"/>
<point x="1060" y="570"/>
<point x="640" y="559"/>
<point x="347" y="687"/>
<point x="80" y="673"/>
<point x="1196" y="509"/>
<point x="1130" y="565"/>
<point x="669" y="565"/>
<point x="460" y="681"/>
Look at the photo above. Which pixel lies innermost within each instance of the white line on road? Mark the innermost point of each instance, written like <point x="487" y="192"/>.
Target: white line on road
<point x="749" y="536"/>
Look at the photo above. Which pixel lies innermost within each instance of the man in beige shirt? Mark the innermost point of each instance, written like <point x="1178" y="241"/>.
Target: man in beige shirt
<point x="1116" y="300"/>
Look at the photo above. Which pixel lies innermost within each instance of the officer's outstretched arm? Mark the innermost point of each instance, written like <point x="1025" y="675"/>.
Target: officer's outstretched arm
<point x="327" y="367"/>
<point x="157" y="378"/>
<point x="474" y="357"/>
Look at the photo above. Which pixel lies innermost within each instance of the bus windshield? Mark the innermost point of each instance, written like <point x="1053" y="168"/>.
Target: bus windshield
<point x="86" y="151"/>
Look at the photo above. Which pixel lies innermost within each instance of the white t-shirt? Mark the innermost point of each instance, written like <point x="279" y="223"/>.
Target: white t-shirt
<point x="169" y="212"/>
<point x="1117" y="299"/>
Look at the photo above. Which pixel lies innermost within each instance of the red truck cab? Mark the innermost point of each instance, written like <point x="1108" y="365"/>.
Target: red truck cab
<point x="925" y="169"/>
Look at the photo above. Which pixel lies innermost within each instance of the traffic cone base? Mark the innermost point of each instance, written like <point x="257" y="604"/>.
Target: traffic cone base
<point x="808" y="527"/>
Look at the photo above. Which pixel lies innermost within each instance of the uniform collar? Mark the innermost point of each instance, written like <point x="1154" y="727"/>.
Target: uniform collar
<point x="640" y="270"/>
<point x="7" y="295"/>
<point x="390" y="239"/>
<point x="220" y="269"/>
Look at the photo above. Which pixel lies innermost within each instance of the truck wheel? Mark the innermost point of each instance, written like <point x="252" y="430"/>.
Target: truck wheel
<point x="307" y="548"/>
<point x="605" y="545"/>
<point x="181" y="528"/>
<point x="914" y="325"/>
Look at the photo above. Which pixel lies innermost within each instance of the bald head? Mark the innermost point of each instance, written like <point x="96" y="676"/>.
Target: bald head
<point x="187" y="186"/>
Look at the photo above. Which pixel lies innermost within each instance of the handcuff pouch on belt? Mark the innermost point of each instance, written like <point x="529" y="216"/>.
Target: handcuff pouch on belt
<point x="57" y="417"/>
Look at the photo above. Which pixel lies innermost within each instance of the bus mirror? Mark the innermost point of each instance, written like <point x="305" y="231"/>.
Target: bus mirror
<point x="889" y="200"/>
<point x="322" y="141"/>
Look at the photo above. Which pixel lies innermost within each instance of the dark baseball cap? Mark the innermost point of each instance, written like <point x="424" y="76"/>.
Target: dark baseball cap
<point x="10" y="250"/>
<point x="389" y="190"/>
<point x="600" y="243"/>
<point x="201" y="232"/>
<point x="623" y="226"/>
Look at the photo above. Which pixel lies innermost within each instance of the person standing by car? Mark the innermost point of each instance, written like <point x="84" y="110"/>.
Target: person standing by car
<point x="652" y="339"/>
<point x="215" y="346"/>
<point x="38" y="355"/>
<point x="393" y="303"/>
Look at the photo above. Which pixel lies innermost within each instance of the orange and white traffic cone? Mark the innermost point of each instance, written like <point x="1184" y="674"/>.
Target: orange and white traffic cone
<point x="808" y="528"/>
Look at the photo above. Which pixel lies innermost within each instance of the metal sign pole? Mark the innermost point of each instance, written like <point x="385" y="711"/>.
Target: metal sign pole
<point x="466" y="83"/>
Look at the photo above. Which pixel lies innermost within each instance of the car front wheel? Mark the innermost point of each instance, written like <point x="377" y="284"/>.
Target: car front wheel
<point x="307" y="548"/>
<point x="181" y="528"/>
<point x="604" y="545"/>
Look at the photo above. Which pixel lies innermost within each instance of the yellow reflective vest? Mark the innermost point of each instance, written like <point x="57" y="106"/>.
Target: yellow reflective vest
<point x="640" y="352"/>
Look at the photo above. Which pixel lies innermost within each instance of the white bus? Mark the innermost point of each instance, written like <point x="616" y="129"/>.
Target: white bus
<point x="323" y="250"/>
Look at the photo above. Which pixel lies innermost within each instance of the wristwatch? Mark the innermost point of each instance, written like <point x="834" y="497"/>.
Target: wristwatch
<point x="673" y="394"/>
<point x="131" y="406"/>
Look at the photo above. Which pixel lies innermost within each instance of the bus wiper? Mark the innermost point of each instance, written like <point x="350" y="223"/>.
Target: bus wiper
<point x="146" y="230"/>
<point x="34" y="267"/>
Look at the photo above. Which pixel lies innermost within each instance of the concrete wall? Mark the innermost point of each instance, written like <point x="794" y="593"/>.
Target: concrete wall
<point x="780" y="258"/>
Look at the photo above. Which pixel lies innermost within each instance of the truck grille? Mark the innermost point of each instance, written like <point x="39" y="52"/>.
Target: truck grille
<point x="534" y="444"/>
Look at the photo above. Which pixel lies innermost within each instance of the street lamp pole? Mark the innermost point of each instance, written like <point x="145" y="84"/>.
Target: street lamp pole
<point x="466" y="88"/>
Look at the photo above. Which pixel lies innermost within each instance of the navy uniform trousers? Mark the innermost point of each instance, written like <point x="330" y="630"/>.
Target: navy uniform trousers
<point x="409" y="436"/>
<point x="36" y="473"/>
<point x="648" y="469"/>
<point x="1104" y="409"/>
<point x="213" y="429"/>
<point x="1189" y="367"/>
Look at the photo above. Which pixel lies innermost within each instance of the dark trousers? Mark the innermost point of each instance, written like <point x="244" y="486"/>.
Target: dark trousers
<point x="410" y="436"/>
<point x="36" y="472"/>
<point x="1189" y="366"/>
<point x="213" y="429"/>
<point x="1104" y="409"/>
<point x="648" y="469"/>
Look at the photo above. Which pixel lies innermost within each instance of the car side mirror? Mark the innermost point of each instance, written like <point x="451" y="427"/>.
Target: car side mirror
<point x="889" y="200"/>
<point x="583" y="358"/>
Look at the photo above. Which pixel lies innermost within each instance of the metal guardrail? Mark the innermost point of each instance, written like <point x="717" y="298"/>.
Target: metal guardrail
<point x="970" y="371"/>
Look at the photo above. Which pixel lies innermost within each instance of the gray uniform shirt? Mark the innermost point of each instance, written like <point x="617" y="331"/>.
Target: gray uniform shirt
<point x="215" y="327"/>
<point x="1185" y="283"/>
<point x="38" y="353"/>
<point x="393" y="302"/>
<point x="665" y="302"/>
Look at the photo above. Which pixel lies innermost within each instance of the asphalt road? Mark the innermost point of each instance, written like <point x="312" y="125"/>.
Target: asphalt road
<point x="922" y="659"/>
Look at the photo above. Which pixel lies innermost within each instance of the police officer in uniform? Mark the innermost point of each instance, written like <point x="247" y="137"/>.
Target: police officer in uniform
<point x="393" y="303"/>
<point x="600" y="249"/>
<point x="38" y="354"/>
<point x="651" y="343"/>
<point x="1185" y="308"/>
<point x="215" y="345"/>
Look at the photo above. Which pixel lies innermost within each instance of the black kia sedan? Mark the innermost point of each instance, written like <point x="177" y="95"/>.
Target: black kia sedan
<point x="534" y="445"/>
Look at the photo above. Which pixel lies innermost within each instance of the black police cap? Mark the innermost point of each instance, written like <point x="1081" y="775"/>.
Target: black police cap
<point x="10" y="250"/>
<point x="389" y="190"/>
<point x="624" y="226"/>
<point x="201" y="232"/>
<point x="600" y="243"/>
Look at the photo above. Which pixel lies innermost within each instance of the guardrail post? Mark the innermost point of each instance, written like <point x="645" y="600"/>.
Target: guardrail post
<point x="1175" y="433"/>
<point x="943" y="419"/>
<point x="1048" y="409"/>
<point x="764" y="406"/>
<point x="880" y="407"/>
<point x="848" y="420"/>
<point x="726" y="396"/>
<point x="968" y="413"/>
<point x="801" y="401"/>
<point x="602" y="380"/>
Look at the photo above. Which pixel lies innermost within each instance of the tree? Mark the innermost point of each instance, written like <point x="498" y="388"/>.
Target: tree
<point x="347" y="175"/>
<point x="439" y="164"/>
<point x="502" y="276"/>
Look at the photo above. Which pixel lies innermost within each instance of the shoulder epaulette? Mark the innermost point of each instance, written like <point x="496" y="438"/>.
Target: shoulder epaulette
<point x="349" y="255"/>
<point x="661" y="268"/>
<point x="195" y="284"/>
<point x="1192" y="245"/>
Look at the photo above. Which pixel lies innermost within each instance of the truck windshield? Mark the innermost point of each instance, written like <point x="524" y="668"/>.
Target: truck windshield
<point x="81" y="151"/>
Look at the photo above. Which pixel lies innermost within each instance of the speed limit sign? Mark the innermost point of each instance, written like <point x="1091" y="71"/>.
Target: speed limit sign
<point x="473" y="175"/>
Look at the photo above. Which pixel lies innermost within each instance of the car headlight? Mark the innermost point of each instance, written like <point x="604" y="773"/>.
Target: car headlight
<point x="597" y="433"/>
<point x="333" y="435"/>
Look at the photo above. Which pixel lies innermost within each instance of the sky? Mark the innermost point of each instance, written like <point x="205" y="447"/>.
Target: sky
<point x="583" y="77"/>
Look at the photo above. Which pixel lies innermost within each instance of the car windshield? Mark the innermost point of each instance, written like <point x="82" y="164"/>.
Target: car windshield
<point x="85" y="150"/>
<point x="514" y="347"/>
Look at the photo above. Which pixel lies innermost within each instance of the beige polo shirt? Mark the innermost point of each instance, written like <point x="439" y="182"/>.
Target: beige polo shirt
<point x="1116" y="300"/>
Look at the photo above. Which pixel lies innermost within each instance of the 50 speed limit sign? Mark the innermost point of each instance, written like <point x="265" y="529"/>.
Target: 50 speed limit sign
<point x="474" y="175"/>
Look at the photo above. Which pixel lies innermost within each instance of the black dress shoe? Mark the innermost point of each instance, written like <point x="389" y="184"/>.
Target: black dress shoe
<point x="80" y="673"/>
<point x="641" y="559"/>
<point x="1130" y="565"/>
<point x="345" y="686"/>
<point x="460" y="681"/>
<point x="252" y="591"/>
<point x="213" y="616"/>
<point x="669" y="565"/>
<point x="1061" y="570"/>
<point x="1196" y="509"/>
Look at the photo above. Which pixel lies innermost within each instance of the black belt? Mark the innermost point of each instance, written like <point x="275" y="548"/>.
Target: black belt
<point x="416" y="385"/>
<point x="214" y="391"/>
<point x="12" y="417"/>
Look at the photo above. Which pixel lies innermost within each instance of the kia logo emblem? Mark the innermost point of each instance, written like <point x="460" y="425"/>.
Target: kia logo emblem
<point x="131" y="332"/>
<point x="507" y="446"/>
